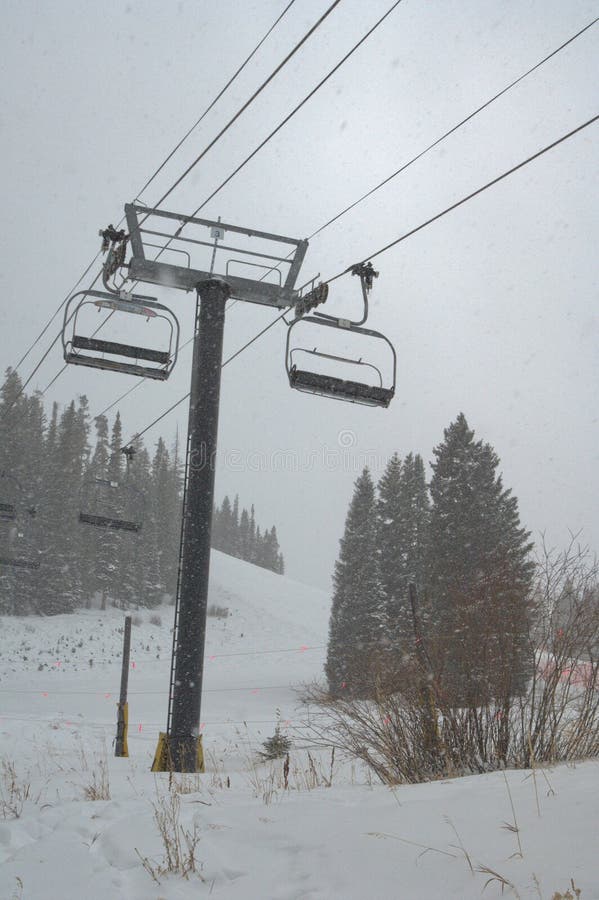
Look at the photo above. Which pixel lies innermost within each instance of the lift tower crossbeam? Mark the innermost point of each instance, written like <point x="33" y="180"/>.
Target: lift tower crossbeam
<point x="251" y="290"/>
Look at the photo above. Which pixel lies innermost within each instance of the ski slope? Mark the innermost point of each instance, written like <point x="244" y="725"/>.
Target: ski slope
<point x="59" y="682"/>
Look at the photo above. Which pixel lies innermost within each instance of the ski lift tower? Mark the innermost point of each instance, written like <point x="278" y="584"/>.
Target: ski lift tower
<point x="256" y="270"/>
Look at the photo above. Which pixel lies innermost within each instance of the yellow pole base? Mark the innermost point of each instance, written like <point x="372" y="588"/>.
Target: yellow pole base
<point x="162" y="757"/>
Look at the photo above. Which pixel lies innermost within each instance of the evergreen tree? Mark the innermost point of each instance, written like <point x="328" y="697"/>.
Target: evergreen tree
<point x="234" y="536"/>
<point x="402" y="516"/>
<point x="97" y="545"/>
<point x="135" y="564"/>
<point x="226" y="526"/>
<point x="63" y="579"/>
<point x="357" y="627"/>
<point x="244" y="535"/>
<point x="390" y="550"/>
<point x="252" y="536"/>
<point x="479" y="570"/>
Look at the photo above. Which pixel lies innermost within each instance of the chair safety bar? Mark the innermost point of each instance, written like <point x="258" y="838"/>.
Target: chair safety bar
<point x="84" y="343"/>
<point x="108" y="522"/>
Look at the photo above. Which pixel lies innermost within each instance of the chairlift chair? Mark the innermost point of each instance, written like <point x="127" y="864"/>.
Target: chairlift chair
<point x="325" y="385"/>
<point x="366" y="393"/>
<point x="16" y="546"/>
<point x="112" y="505"/>
<point x="103" y="354"/>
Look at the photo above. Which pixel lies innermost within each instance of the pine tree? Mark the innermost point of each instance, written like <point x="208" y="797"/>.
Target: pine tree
<point x="63" y="579"/>
<point x="390" y="550"/>
<point x="244" y="535"/>
<point x="357" y="631"/>
<point x="95" y="542"/>
<point x="252" y="536"/>
<point x="134" y="564"/>
<point x="226" y="526"/>
<point x="234" y="536"/>
<point x="415" y="504"/>
<point x="402" y="516"/>
<point x="479" y="570"/>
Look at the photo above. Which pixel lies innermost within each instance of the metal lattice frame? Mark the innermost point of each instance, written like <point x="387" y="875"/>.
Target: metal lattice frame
<point x="280" y="296"/>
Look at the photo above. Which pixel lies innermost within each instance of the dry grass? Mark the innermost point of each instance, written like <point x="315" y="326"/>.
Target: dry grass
<point x="14" y="790"/>
<point x="179" y="845"/>
<point x="218" y="612"/>
<point x="571" y="893"/>
<point x="269" y="781"/>
<point x="98" y="788"/>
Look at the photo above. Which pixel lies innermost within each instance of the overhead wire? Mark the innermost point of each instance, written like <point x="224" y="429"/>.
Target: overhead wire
<point x="295" y="110"/>
<point x="470" y="196"/>
<point x="263" y="143"/>
<point x="393" y="243"/>
<point x="215" y="100"/>
<point x="452" y="130"/>
<point x="182" y="399"/>
<point x="248" y="102"/>
<point x="409" y="163"/>
<point x="147" y="184"/>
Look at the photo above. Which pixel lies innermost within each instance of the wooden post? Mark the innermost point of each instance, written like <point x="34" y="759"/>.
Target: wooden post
<point x="121" y="748"/>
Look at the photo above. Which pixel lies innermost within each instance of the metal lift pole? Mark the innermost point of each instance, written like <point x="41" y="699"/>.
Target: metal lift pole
<point x="120" y="748"/>
<point x="183" y="741"/>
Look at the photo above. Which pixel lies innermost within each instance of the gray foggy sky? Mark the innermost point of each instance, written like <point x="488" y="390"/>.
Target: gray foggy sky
<point x="493" y="309"/>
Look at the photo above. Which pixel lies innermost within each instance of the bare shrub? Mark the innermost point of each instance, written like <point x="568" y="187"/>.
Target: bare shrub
<point x="184" y="783"/>
<point x="218" y="612"/>
<point x="98" y="787"/>
<point x="413" y="729"/>
<point x="137" y="619"/>
<point x="155" y="619"/>
<point x="571" y="893"/>
<point x="14" y="791"/>
<point x="306" y="774"/>
<point x="179" y="845"/>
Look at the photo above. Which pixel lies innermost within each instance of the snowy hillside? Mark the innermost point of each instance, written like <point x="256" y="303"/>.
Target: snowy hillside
<point x="59" y="680"/>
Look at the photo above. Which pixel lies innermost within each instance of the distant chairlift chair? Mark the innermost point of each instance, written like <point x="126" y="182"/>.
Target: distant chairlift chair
<point x="16" y="549"/>
<point x="111" y="505"/>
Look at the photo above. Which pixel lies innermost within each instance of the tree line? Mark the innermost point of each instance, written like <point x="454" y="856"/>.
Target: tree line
<point x="458" y="540"/>
<point x="49" y="468"/>
<point x="237" y="534"/>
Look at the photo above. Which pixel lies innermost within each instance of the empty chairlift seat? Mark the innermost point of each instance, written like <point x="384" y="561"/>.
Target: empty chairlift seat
<point x="111" y="505"/>
<point x="17" y="515"/>
<point x="115" y="356"/>
<point x="367" y="392"/>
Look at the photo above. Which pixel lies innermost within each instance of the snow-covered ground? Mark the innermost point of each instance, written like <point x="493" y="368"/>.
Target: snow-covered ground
<point x="59" y="681"/>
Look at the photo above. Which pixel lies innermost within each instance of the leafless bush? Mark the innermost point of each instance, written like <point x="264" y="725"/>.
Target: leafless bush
<point x="299" y="773"/>
<point x="98" y="788"/>
<point x="218" y="612"/>
<point x="412" y="730"/>
<point x="137" y="620"/>
<point x="14" y="790"/>
<point x="155" y="619"/>
<point x="179" y="845"/>
<point x="571" y="893"/>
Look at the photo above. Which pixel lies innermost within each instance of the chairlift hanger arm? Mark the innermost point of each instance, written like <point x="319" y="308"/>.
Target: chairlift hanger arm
<point x="366" y="273"/>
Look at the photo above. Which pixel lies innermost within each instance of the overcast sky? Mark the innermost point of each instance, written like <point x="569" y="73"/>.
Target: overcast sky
<point x="493" y="309"/>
